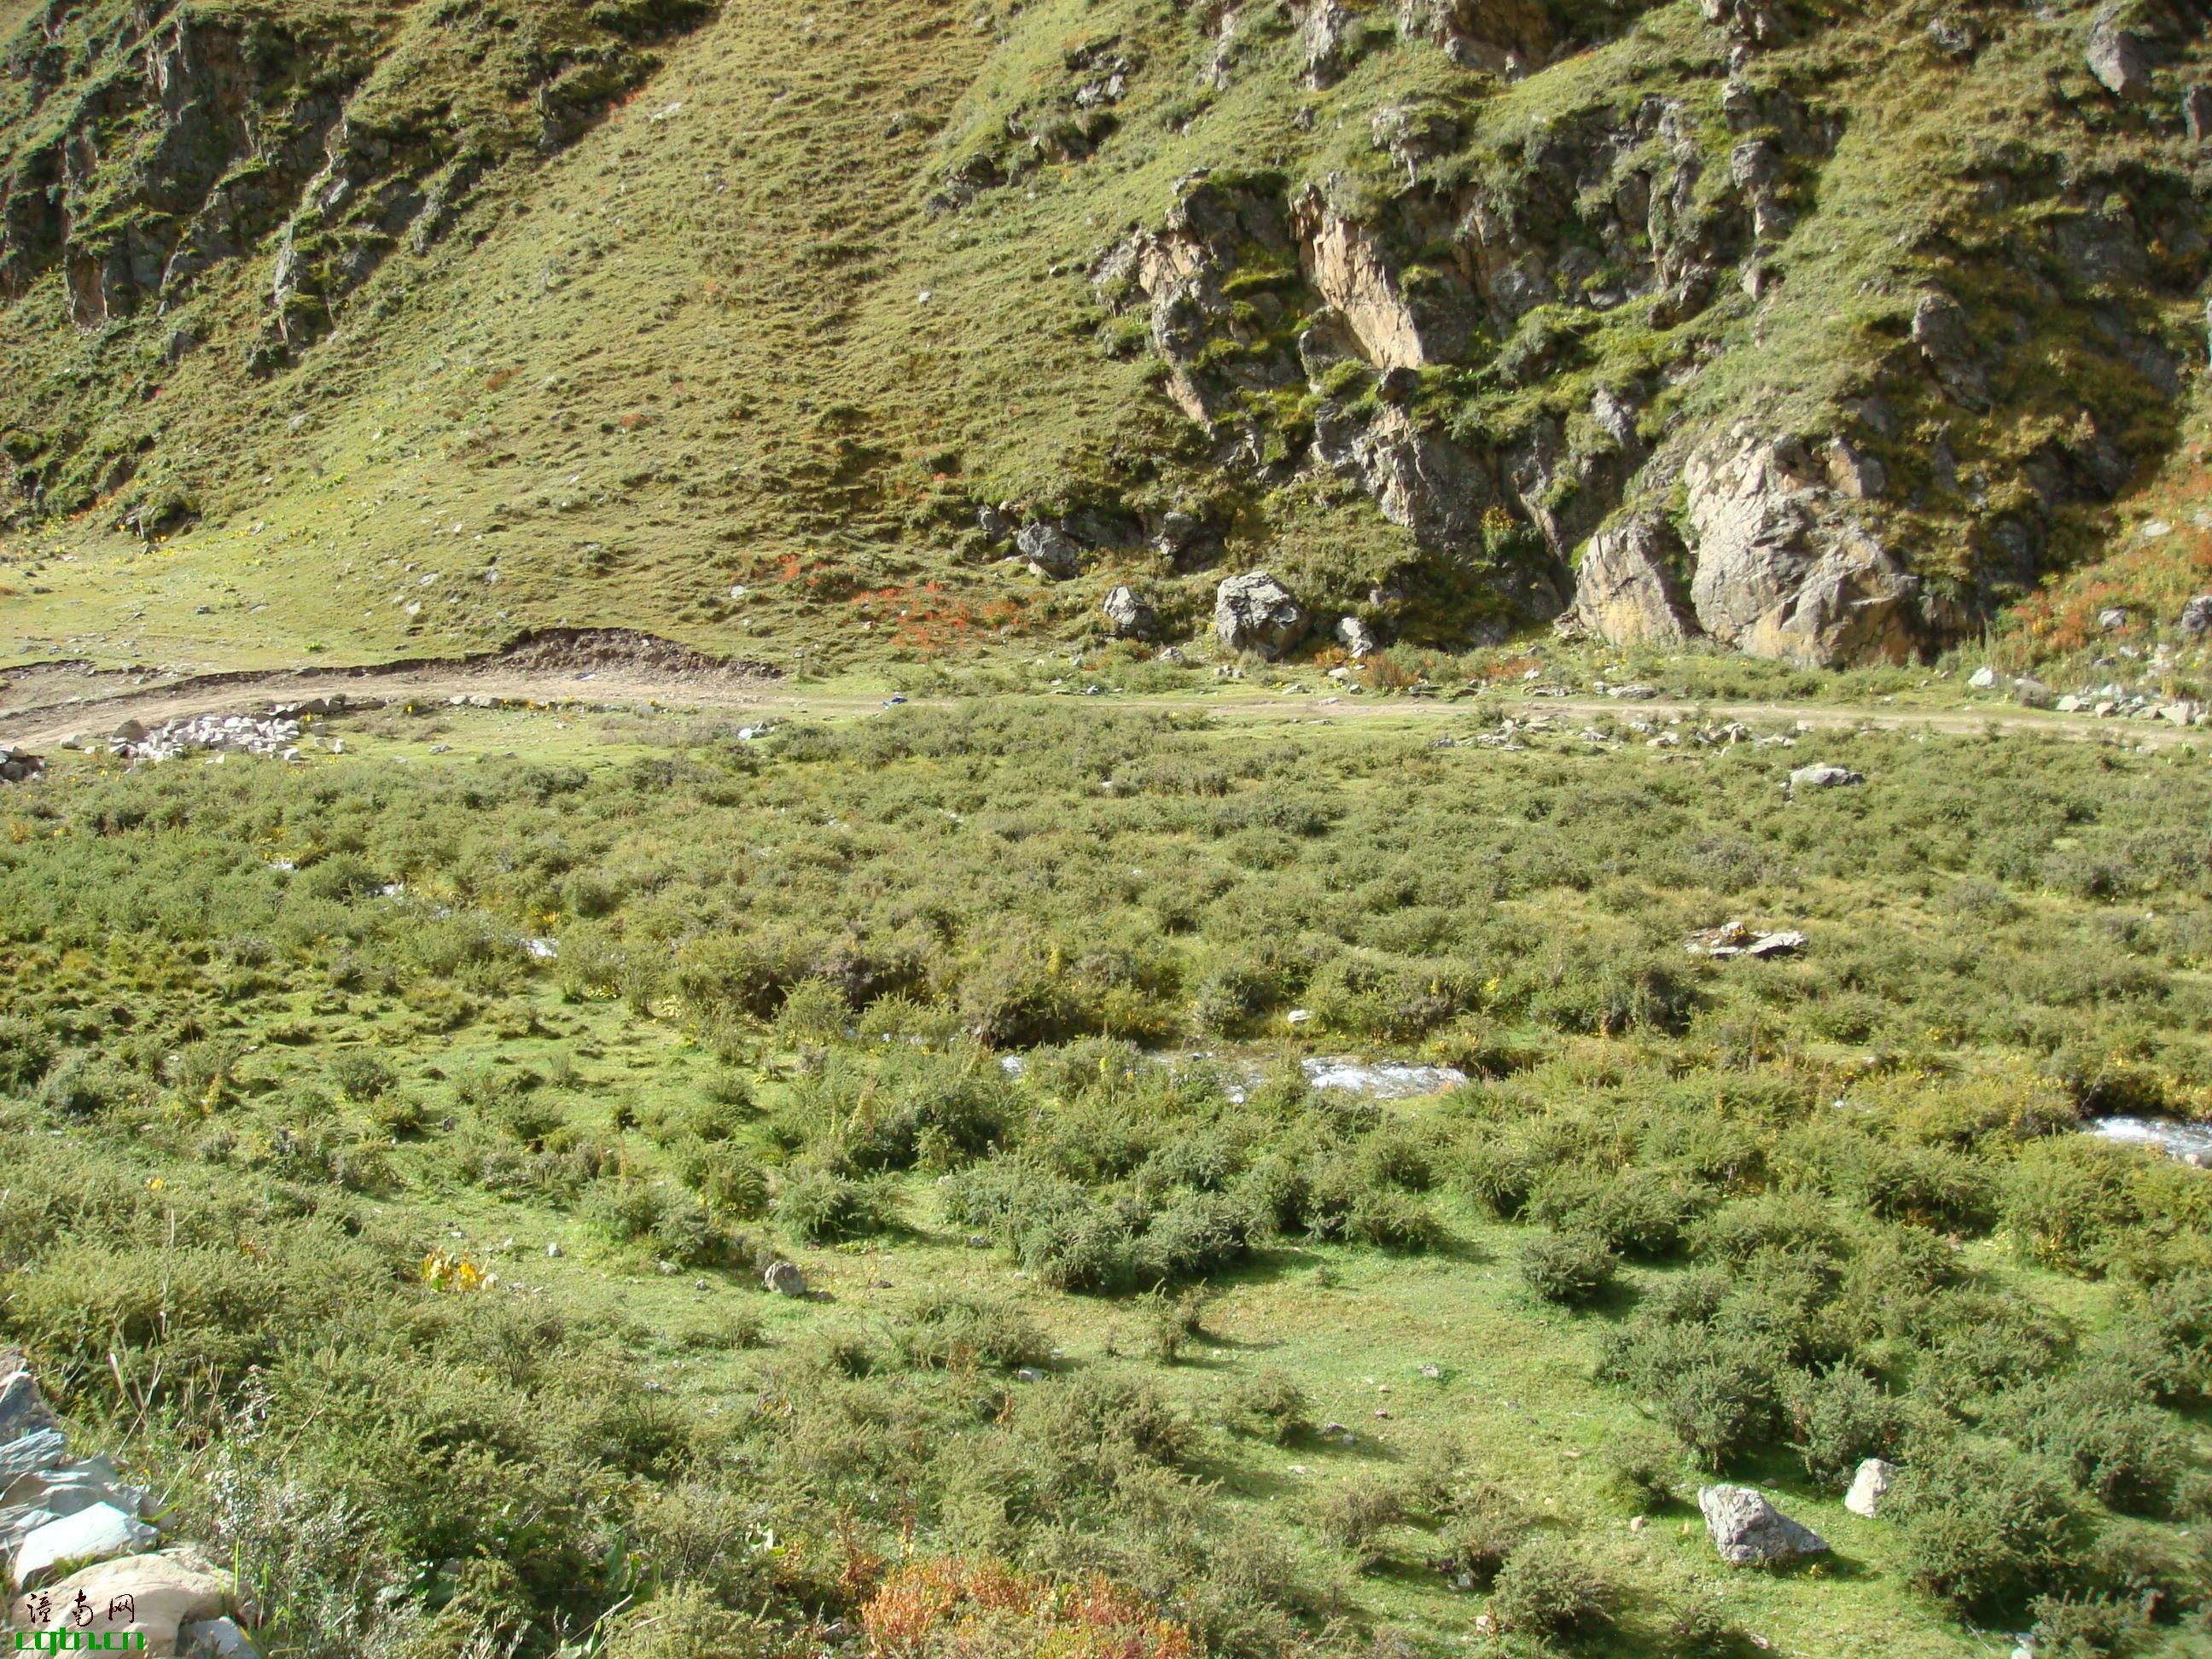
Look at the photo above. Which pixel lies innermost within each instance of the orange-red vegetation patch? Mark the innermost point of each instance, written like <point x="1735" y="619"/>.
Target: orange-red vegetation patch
<point x="929" y="1609"/>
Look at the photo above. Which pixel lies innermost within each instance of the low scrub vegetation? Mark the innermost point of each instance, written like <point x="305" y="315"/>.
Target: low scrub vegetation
<point x="428" y="1273"/>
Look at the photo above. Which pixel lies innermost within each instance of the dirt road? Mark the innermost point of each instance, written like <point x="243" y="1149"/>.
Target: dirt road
<point x="42" y="706"/>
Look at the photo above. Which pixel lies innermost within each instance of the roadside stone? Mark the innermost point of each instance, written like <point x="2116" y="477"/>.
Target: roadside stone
<point x="784" y="1278"/>
<point x="1747" y="1530"/>
<point x="93" y="1533"/>
<point x="1254" y="612"/>
<point x="1869" y="1487"/>
<point x="2030" y="693"/>
<point x="1356" y="638"/>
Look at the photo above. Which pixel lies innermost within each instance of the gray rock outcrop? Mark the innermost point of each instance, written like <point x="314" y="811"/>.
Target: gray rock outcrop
<point x="1747" y="1530"/>
<point x="1254" y="612"/>
<point x="1781" y="570"/>
<point x="1627" y="591"/>
<point x="2196" y="619"/>
<point x="2117" y="58"/>
<point x="1050" y="550"/>
<point x="1940" y="330"/>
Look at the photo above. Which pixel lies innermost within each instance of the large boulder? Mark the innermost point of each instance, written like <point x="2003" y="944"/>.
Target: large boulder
<point x="1627" y="591"/>
<point x="2117" y="58"/>
<point x="1129" y="618"/>
<point x="784" y="1278"/>
<point x="1050" y="550"/>
<point x="1748" y="1530"/>
<point x="152" y="1596"/>
<point x="1824" y="777"/>
<point x="2196" y="619"/>
<point x="1782" y="571"/>
<point x="1254" y="612"/>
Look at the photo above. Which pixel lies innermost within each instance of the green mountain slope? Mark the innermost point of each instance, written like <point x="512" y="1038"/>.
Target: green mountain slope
<point x="1827" y="333"/>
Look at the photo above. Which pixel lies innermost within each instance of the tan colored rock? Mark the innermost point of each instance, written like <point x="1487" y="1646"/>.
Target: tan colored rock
<point x="1782" y="571"/>
<point x="1626" y="590"/>
<point x="1346" y="264"/>
<point x="156" y="1595"/>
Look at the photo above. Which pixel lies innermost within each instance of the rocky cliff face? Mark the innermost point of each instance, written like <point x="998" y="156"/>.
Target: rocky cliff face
<point x="1433" y="329"/>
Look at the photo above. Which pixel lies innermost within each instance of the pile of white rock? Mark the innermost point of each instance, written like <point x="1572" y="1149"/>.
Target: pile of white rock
<point x="275" y="737"/>
<point x="56" y="1512"/>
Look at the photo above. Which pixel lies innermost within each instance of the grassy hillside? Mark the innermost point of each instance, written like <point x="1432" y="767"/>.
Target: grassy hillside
<point x="422" y="1272"/>
<point x="727" y="322"/>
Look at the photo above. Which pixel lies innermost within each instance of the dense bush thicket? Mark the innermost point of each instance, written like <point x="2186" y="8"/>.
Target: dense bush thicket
<point x="1809" y="1210"/>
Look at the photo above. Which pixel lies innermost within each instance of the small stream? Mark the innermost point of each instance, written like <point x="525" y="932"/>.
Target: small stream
<point x="2191" y="1143"/>
<point x="1379" y="1079"/>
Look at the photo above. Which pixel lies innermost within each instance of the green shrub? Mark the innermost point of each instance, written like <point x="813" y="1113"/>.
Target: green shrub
<point x="2099" y="1426"/>
<point x="946" y="1329"/>
<point x="1841" y="1417"/>
<point x="2086" y="1627"/>
<point x="730" y="1179"/>
<point x="1171" y="1321"/>
<point x="1099" y="1418"/>
<point x="1269" y="1405"/>
<point x="1569" y="1268"/>
<point x="1481" y="1529"/>
<point x="1393" y="1220"/>
<point x="2180" y="1327"/>
<point x="1986" y="1530"/>
<point x="360" y="1075"/>
<point x="686" y="1621"/>
<point x="2067" y="1201"/>
<point x="1634" y="1212"/>
<point x="816" y="1206"/>
<point x="1352" y="1518"/>
<point x="1498" y="1175"/>
<point x="25" y="1051"/>
<point x="1635" y="1473"/>
<point x="684" y="1233"/>
<point x="1547" y="1591"/>
<point x="81" y="1086"/>
<point x="623" y="1211"/>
